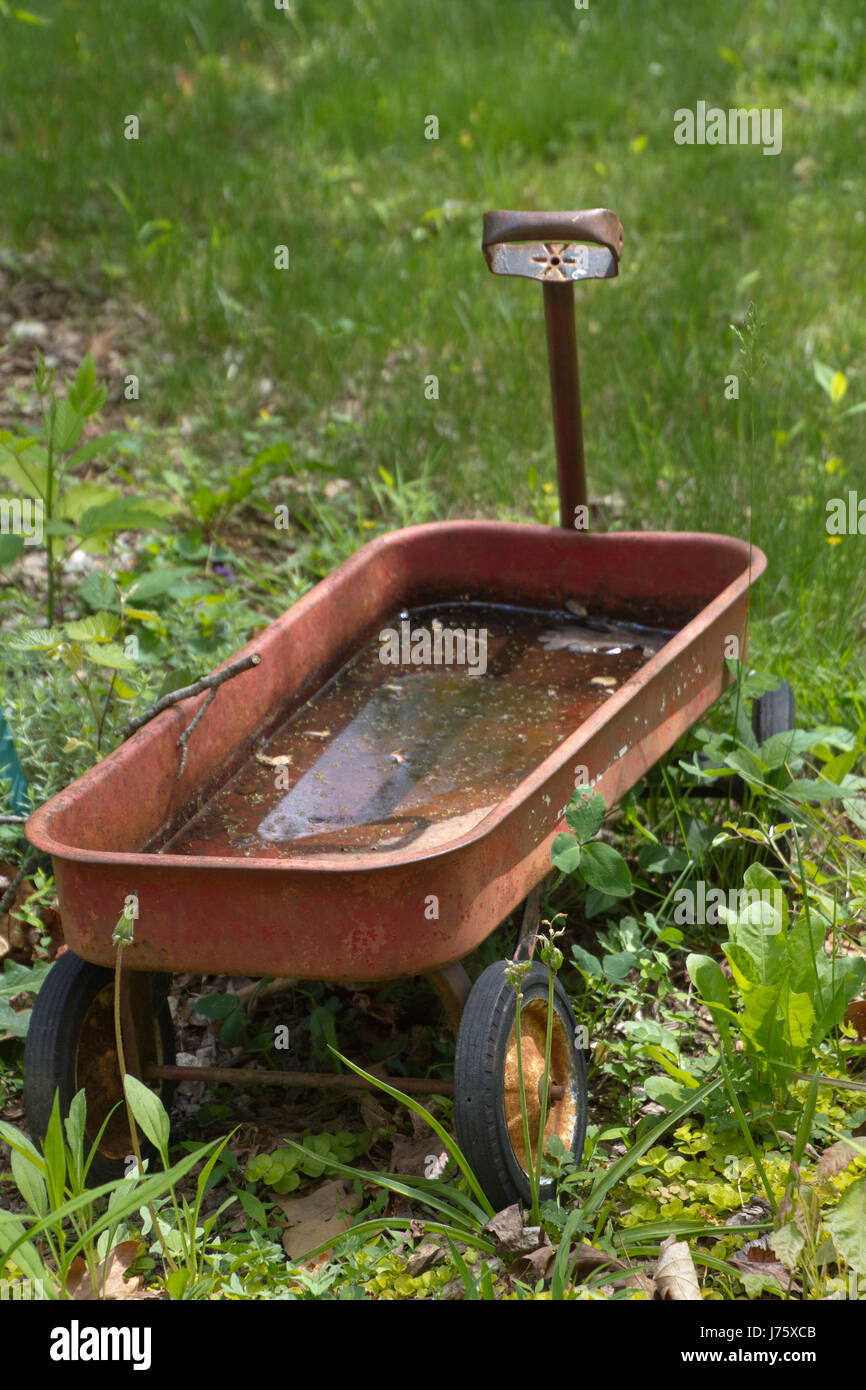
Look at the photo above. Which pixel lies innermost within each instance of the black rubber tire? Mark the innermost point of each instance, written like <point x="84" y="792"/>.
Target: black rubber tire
<point x="774" y="713"/>
<point x="479" y="1081"/>
<point x="75" y="999"/>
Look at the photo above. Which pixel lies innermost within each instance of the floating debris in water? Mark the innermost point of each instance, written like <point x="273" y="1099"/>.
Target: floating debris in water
<point x="598" y="635"/>
<point x="279" y="761"/>
<point x="603" y="680"/>
<point x="315" y="733"/>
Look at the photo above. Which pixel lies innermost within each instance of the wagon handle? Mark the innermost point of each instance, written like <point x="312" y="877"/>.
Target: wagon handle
<point x="550" y="246"/>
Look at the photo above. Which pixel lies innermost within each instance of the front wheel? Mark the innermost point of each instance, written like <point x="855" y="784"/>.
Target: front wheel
<point x="487" y="1108"/>
<point x="71" y="1046"/>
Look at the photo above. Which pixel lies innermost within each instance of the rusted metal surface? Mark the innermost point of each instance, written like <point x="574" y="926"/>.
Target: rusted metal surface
<point x="565" y="400"/>
<point x="531" y="921"/>
<point x="326" y="1081"/>
<point x="452" y="984"/>
<point x="367" y="916"/>
<point x="599" y="226"/>
<point x="554" y="254"/>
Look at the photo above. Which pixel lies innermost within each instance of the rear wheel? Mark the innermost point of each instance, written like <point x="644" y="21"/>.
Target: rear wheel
<point x="487" y="1110"/>
<point x="71" y="1046"/>
<point x="774" y="713"/>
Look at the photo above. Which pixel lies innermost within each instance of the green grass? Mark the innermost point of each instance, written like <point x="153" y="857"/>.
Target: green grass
<point x="260" y="128"/>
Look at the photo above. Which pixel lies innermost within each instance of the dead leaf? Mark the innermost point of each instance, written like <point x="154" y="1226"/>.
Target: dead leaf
<point x="374" y="1116"/>
<point x="109" y="1273"/>
<point x="758" y="1257"/>
<point x="511" y="1236"/>
<point x="423" y="1259"/>
<point x="589" y="1260"/>
<point x="758" y="1209"/>
<point x="318" y="1216"/>
<point x="855" y="1014"/>
<point x="535" y="1264"/>
<point x="675" y="1276"/>
<point x="836" y="1159"/>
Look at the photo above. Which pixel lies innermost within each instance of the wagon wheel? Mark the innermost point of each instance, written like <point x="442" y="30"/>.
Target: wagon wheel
<point x="487" y="1111"/>
<point x="774" y="713"/>
<point x="71" y="1046"/>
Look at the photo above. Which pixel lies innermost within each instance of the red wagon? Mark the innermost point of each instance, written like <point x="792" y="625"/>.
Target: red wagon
<point x="381" y="789"/>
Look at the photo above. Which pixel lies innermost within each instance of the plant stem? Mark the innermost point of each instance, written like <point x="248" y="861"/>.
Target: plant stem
<point x="744" y="1126"/>
<point x="206" y="683"/>
<point x="133" y="1129"/>
<point x="524" y="1114"/>
<point x="548" y="1042"/>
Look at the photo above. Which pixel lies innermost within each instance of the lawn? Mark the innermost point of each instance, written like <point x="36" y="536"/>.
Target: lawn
<point x="264" y="225"/>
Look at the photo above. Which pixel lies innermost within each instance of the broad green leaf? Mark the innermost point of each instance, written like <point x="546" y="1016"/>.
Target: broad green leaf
<point x="10" y="548"/>
<point x="798" y="1017"/>
<point x="98" y="591"/>
<point x="36" y="639"/>
<point x="85" y="382"/>
<point x="707" y="977"/>
<point x="605" y="869"/>
<point x="675" y="1072"/>
<point x="823" y="375"/>
<point x="78" y="497"/>
<point x="816" y="792"/>
<point x="585" y="814"/>
<point x="99" y="627"/>
<point x="13" y="1025"/>
<point x="617" y="965"/>
<point x="565" y="853"/>
<point x="30" y="1183"/>
<point x="149" y="1113"/>
<point x="109" y="654"/>
<point x="30" y="477"/>
<point x="66" y="427"/>
<point x="101" y="444"/>
<point x="847" y="1225"/>
<point x="788" y="1243"/>
<point x="589" y="964"/>
<point x="158" y="582"/>
<point x="121" y="514"/>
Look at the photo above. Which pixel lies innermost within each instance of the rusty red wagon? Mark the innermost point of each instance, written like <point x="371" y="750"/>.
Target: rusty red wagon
<point x="341" y="813"/>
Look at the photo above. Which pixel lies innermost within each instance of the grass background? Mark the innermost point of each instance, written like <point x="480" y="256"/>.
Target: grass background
<point x="305" y="127"/>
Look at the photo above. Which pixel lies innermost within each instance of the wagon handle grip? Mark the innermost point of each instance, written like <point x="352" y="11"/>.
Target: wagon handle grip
<point x="597" y="225"/>
<point x="551" y="247"/>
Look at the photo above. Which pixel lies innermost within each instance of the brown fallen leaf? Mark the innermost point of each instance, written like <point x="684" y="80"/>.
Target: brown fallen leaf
<point x="510" y="1236"/>
<point x="855" y="1014"/>
<point x="758" y="1257"/>
<point x="318" y="1216"/>
<point x="535" y="1264"/>
<point x="590" y="1260"/>
<point x="374" y="1115"/>
<point x="675" y="1276"/>
<point x="109" y="1273"/>
<point x="836" y="1159"/>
